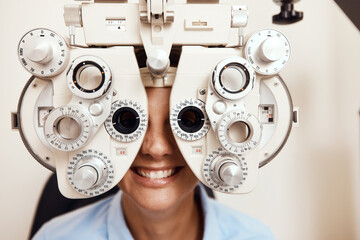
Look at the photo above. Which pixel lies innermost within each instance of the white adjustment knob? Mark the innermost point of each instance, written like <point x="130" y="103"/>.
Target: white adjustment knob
<point x="41" y="51"/>
<point x="89" y="174"/>
<point x="230" y="173"/>
<point x="85" y="177"/>
<point x="268" y="51"/>
<point x="272" y="50"/>
<point x="219" y="107"/>
<point x="158" y="62"/>
<point x="96" y="109"/>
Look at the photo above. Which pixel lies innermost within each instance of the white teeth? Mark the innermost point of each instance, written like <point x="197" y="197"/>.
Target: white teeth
<point x="156" y="174"/>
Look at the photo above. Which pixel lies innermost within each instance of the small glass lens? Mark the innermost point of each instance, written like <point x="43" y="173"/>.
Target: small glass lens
<point x="238" y="132"/>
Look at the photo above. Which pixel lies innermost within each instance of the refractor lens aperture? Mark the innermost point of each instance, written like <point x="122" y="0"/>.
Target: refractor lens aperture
<point x="234" y="78"/>
<point x="238" y="132"/>
<point x="68" y="128"/>
<point x="88" y="76"/>
<point x="126" y="120"/>
<point x="191" y="119"/>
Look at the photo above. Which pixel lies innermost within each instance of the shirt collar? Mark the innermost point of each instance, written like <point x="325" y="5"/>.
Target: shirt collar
<point x="117" y="228"/>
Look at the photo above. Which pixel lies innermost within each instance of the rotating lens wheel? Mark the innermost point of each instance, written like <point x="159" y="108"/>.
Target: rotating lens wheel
<point x="189" y="120"/>
<point x="127" y="121"/>
<point x="239" y="132"/>
<point x="89" y="77"/>
<point x="67" y="128"/>
<point x="233" y="78"/>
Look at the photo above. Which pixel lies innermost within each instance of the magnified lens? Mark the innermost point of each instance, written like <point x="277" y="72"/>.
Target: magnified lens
<point x="191" y="119"/>
<point x="68" y="128"/>
<point x="88" y="77"/>
<point x="238" y="132"/>
<point x="126" y="120"/>
<point x="234" y="78"/>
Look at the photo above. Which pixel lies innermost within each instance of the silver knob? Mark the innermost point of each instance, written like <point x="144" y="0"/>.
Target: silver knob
<point x="158" y="62"/>
<point x="89" y="173"/>
<point x="229" y="172"/>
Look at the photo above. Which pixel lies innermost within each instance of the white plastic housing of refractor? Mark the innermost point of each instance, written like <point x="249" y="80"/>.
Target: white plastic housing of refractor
<point x="70" y="111"/>
<point x="195" y="69"/>
<point x="200" y="24"/>
<point x="121" y="154"/>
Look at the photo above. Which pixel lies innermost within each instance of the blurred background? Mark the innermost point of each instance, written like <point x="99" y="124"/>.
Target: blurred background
<point x="310" y="191"/>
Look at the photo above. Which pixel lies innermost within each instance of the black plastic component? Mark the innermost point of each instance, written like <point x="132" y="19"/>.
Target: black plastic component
<point x="191" y="119"/>
<point x="126" y="120"/>
<point x="288" y="14"/>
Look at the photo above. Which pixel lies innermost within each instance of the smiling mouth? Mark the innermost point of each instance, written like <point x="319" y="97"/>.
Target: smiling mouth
<point x="156" y="174"/>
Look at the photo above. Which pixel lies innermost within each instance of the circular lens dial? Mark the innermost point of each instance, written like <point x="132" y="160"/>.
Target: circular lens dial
<point x="91" y="172"/>
<point x="127" y="121"/>
<point x="43" y="52"/>
<point x="67" y="128"/>
<point x="239" y="132"/>
<point x="189" y="120"/>
<point x="233" y="78"/>
<point x="268" y="51"/>
<point x="223" y="171"/>
<point x="89" y="77"/>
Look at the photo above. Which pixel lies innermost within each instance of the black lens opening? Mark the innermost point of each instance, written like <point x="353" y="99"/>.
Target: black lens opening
<point x="191" y="119"/>
<point x="126" y="120"/>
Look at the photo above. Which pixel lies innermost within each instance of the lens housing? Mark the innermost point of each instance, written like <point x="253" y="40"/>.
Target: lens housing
<point x="227" y="81"/>
<point x="79" y="70"/>
<point x="126" y="120"/>
<point x="89" y="77"/>
<point x="233" y="78"/>
<point x="189" y="120"/>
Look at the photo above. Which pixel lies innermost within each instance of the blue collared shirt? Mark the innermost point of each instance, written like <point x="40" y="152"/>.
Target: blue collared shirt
<point x="105" y="220"/>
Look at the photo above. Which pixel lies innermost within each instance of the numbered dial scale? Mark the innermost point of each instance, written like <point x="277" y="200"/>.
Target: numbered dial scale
<point x="127" y="121"/>
<point x="189" y="120"/>
<point x="268" y="51"/>
<point x="239" y="132"/>
<point x="91" y="173"/>
<point x="43" y="52"/>
<point x="67" y="128"/>
<point x="223" y="171"/>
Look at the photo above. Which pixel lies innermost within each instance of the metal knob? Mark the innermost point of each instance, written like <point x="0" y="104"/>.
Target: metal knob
<point x="89" y="174"/>
<point x="158" y="62"/>
<point x="230" y="172"/>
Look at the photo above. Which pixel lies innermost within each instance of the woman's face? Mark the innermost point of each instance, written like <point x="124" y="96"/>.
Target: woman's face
<point x="159" y="177"/>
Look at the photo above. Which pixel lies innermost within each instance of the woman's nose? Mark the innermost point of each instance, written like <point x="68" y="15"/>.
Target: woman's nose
<point x="158" y="142"/>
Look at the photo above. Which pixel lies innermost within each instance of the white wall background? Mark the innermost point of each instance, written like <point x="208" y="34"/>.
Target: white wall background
<point x="310" y="191"/>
